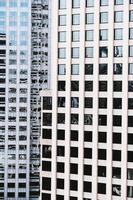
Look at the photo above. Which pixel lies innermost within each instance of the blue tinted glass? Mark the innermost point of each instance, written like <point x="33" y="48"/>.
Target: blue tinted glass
<point x="2" y="3"/>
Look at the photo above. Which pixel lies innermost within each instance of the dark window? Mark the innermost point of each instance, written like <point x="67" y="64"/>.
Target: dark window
<point x="102" y="154"/>
<point x="73" y="185"/>
<point x="88" y="119"/>
<point x="101" y="188"/>
<point x="61" y="85"/>
<point x="102" y="137"/>
<point x="130" y="103"/>
<point x="74" y="118"/>
<point x="47" y="103"/>
<point x="88" y="102"/>
<point x="74" y="135"/>
<point x="101" y="171"/>
<point x="73" y="168"/>
<point x="61" y="101"/>
<point x="46" y="133"/>
<point x="102" y="86"/>
<point x="116" y="190"/>
<point x="117" y="120"/>
<point x="88" y="69"/>
<point x="60" y="151"/>
<point x="74" y="102"/>
<point x="46" y="165"/>
<point x="46" y="183"/>
<point x="130" y="86"/>
<point x="61" y="118"/>
<point x="117" y="86"/>
<point x="46" y="196"/>
<point x="103" y="103"/>
<point x="88" y="85"/>
<point x="59" y="197"/>
<point x="116" y="172"/>
<point x="102" y="120"/>
<point x="74" y="152"/>
<point x="117" y="138"/>
<point x="103" y="69"/>
<point x="117" y="68"/>
<point x="88" y="136"/>
<point x="60" y="183"/>
<point x="46" y="151"/>
<point x="74" y="85"/>
<point x="47" y="119"/>
<point x="60" y="134"/>
<point x="116" y="155"/>
<point x="87" y="186"/>
<point x="130" y="156"/>
<point x="117" y="103"/>
<point x="87" y="153"/>
<point x="103" y="52"/>
<point x="88" y="170"/>
<point x="130" y="121"/>
<point x="130" y="191"/>
<point x="60" y="167"/>
<point x="130" y="174"/>
<point x="130" y="138"/>
<point x="118" y="51"/>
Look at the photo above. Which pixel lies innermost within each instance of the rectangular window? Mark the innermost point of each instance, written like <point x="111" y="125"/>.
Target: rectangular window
<point x="89" y="35"/>
<point x="103" y="17"/>
<point x="62" y="20"/>
<point x="75" y="3"/>
<point x="75" y="19"/>
<point x="89" y="3"/>
<point x="75" y="36"/>
<point x="89" y="18"/>
<point x="118" y="34"/>
<point x="118" y="2"/>
<point x="88" y="52"/>
<point x="103" y="2"/>
<point x="118" y="16"/>
<point x="103" y="34"/>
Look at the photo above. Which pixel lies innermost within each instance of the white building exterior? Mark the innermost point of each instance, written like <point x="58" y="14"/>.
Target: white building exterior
<point x="87" y="116"/>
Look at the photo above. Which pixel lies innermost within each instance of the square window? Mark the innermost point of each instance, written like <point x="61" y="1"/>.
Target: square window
<point x="75" y="19"/>
<point x="103" y="34"/>
<point x="103" y="52"/>
<point x="74" y="102"/>
<point x="117" y="68"/>
<point x="89" y="18"/>
<point x="88" y="69"/>
<point x="118" y="16"/>
<point x="89" y="34"/>
<point x="62" y="4"/>
<point x="103" y="17"/>
<point x="103" y="69"/>
<point x="75" y="3"/>
<point x="89" y="3"/>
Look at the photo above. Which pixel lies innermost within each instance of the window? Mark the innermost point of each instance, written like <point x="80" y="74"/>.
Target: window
<point x="74" y="152"/>
<point x="88" y="52"/>
<point x="130" y="86"/>
<point x="130" y="191"/>
<point x="116" y="190"/>
<point x="46" y="133"/>
<point x="75" y="69"/>
<point x="46" y="183"/>
<point x="61" y="69"/>
<point x="88" y="102"/>
<point x="103" y="69"/>
<point x="117" y="120"/>
<point x="118" y="34"/>
<point x="61" y="102"/>
<point x="117" y="68"/>
<point x="88" y="170"/>
<point x="46" y="151"/>
<point x="118" y="2"/>
<point x="103" y="52"/>
<point x="102" y="154"/>
<point x="74" y="118"/>
<point x="116" y="138"/>
<point x="116" y="172"/>
<point x="60" y="134"/>
<point x="88" y="153"/>
<point x="130" y="68"/>
<point x="61" y="118"/>
<point x="61" y="151"/>
<point x="130" y="33"/>
<point x="89" y="18"/>
<point x="46" y="166"/>
<point x="116" y="155"/>
<point x="62" y="53"/>
<point x="75" y="52"/>
<point x="102" y="137"/>
<point x="75" y="3"/>
<point x="74" y="102"/>
<point x="47" y="119"/>
<point x="74" y="135"/>
<point x="103" y="17"/>
<point x="101" y="171"/>
<point x="130" y="156"/>
<point x="47" y="103"/>
<point x="131" y="15"/>
<point x="130" y="51"/>
<point x="61" y="85"/>
<point x="75" y="36"/>
<point x="103" y="34"/>
<point x="131" y="1"/>
<point x="62" y="36"/>
<point x="130" y="121"/>
<point x="103" y="2"/>
<point x="87" y="136"/>
<point x="87" y="187"/>
<point x="88" y="119"/>
<point x="89" y="35"/>
<point x="130" y="174"/>
<point x="60" y="183"/>
<point x="88" y="85"/>
<point x="73" y="168"/>
<point x="101" y="188"/>
<point x="62" y="4"/>
<point x="74" y="85"/>
<point x="117" y="103"/>
<point x="118" y="51"/>
<point x="88" y="69"/>
<point x="130" y="103"/>
<point x="117" y="86"/>
<point x="102" y="120"/>
<point x="118" y="16"/>
<point x="75" y="19"/>
<point x="102" y="103"/>
<point x="102" y="86"/>
<point x="46" y="196"/>
<point x="62" y="20"/>
<point x="89" y="3"/>
<point x="60" y="167"/>
<point x="73" y="185"/>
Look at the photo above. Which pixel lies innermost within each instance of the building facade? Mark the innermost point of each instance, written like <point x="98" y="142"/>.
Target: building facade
<point x="15" y="62"/>
<point x="87" y="116"/>
<point x="39" y="71"/>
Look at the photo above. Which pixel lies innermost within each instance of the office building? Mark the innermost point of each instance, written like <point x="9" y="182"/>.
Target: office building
<point x="87" y="115"/>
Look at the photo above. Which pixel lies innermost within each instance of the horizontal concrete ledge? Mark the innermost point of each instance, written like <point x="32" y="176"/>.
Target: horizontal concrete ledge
<point x="45" y="93"/>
